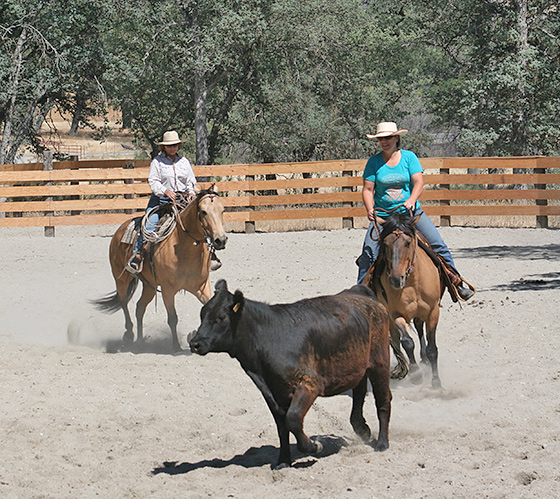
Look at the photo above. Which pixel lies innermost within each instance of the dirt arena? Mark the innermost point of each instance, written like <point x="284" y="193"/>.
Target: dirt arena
<point x="78" y="421"/>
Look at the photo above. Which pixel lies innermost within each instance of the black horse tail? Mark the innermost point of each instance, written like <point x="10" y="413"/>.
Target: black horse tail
<point x="111" y="303"/>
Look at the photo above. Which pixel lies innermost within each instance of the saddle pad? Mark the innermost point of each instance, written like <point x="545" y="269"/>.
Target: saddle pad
<point x="131" y="232"/>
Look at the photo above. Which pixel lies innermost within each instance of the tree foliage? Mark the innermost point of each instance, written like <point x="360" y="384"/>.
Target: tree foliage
<point x="286" y="80"/>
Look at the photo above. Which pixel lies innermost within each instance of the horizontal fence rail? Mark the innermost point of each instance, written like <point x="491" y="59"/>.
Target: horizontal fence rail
<point x="52" y="194"/>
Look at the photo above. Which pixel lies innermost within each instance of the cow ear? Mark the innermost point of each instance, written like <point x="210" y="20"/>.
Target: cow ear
<point x="220" y="286"/>
<point x="238" y="302"/>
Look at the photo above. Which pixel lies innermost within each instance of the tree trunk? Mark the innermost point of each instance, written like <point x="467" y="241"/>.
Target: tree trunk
<point x="80" y="104"/>
<point x="13" y="89"/>
<point x="200" y="120"/>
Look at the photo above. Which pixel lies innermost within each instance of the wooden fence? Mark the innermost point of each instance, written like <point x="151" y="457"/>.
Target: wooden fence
<point x="51" y="194"/>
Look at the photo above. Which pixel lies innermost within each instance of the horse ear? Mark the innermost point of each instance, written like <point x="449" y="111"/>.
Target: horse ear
<point x="196" y="189"/>
<point x="220" y="286"/>
<point x="214" y="188"/>
<point x="238" y="302"/>
<point x="415" y="219"/>
<point x="379" y="220"/>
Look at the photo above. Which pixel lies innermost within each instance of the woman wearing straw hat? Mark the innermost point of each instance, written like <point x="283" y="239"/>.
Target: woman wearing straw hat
<point x="393" y="181"/>
<point x="170" y="175"/>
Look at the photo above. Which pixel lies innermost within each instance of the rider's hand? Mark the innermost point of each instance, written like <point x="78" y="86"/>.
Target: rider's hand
<point x="170" y="194"/>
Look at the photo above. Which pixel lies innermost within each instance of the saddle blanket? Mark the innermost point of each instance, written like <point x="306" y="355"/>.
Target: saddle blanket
<point x="131" y="232"/>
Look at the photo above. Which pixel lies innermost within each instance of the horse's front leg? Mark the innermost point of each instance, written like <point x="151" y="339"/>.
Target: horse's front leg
<point x="431" y="349"/>
<point x="401" y="369"/>
<point x="148" y="293"/>
<point x="419" y="326"/>
<point x="172" y="319"/>
<point x="408" y="345"/>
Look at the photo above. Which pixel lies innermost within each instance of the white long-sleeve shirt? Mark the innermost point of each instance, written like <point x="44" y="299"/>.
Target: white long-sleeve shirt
<point x="176" y="176"/>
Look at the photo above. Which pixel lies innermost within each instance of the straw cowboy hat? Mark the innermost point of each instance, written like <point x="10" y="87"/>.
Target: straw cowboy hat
<point x="387" y="129"/>
<point x="170" y="138"/>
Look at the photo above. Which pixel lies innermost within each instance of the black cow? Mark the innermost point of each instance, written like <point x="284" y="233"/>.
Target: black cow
<point x="297" y="352"/>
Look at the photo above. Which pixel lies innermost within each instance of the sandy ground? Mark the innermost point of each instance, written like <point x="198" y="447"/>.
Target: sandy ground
<point x="77" y="421"/>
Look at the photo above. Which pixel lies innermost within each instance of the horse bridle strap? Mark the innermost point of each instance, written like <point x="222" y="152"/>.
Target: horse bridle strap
<point x="412" y="261"/>
<point x="206" y="238"/>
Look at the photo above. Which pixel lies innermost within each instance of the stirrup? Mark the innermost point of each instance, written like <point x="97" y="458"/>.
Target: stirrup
<point x="135" y="264"/>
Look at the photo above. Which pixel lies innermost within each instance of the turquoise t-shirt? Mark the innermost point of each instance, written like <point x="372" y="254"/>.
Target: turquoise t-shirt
<point x="392" y="183"/>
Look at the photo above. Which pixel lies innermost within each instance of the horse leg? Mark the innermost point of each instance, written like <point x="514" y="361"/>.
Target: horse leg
<point x="123" y="296"/>
<point x="401" y="369"/>
<point x="406" y="341"/>
<point x="408" y="345"/>
<point x="172" y="319"/>
<point x="148" y="293"/>
<point x="357" y="419"/>
<point x="431" y="349"/>
<point x="419" y="326"/>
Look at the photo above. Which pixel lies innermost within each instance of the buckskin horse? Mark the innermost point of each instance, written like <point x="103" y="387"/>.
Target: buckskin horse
<point x="179" y="262"/>
<point x="409" y="284"/>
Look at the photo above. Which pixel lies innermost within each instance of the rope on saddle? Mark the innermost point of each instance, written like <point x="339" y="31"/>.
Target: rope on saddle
<point x="167" y="221"/>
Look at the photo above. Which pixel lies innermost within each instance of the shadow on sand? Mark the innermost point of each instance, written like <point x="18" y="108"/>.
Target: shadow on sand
<point x="257" y="457"/>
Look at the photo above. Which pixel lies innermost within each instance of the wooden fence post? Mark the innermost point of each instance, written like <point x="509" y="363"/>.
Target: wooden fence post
<point x="347" y="222"/>
<point x="48" y="166"/>
<point x="444" y="220"/>
<point x="542" y="220"/>
<point x="250" y="226"/>
<point x="129" y="166"/>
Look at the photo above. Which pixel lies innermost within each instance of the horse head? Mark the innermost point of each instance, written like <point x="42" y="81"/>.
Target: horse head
<point x="210" y="215"/>
<point x="398" y="247"/>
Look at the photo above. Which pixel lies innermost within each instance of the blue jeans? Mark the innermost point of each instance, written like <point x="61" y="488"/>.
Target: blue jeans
<point x="370" y="249"/>
<point x="153" y="219"/>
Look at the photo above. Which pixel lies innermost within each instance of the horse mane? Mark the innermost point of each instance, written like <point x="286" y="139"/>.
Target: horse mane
<point x="399" y="222"/>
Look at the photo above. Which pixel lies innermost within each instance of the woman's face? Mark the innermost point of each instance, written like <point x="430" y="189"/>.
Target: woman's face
<point x="388" y="144"/>
<point x="172" y="150"/>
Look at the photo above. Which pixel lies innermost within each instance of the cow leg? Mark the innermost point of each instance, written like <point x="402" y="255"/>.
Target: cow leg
<point x="147" y="296"/>
<point x="285" y="456"/>
<point x="172" y="319"/>
<point x="301" y="402"/>
<point x="357" y="419"/>
<point x="431" y="349"/>
<point x="419" y="325"/>
<point x="379" y="378"/>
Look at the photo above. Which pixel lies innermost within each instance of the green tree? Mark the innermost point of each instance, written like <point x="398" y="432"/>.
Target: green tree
<point x="500" y="87"/>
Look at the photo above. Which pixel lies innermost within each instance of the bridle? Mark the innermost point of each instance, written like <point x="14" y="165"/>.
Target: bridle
<point x="183" y="205"/>
<point x="412" y="252"/>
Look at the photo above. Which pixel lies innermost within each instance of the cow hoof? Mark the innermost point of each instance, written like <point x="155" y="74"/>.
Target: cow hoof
<point x="318" y="447"/>
<point x="381" y="446"/>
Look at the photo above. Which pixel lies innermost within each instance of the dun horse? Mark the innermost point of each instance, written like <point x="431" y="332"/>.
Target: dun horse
<point x="180" y="262"/>
<point x="408" y="283"/>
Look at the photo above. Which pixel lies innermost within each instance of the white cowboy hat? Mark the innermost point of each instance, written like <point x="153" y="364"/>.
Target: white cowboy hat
<point x="170" y="138"/>
<point x="387" y="129"/>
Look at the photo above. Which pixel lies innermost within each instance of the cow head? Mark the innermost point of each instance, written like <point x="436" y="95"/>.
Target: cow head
<point x="218" y="322"/>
